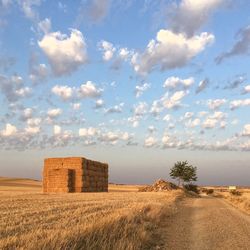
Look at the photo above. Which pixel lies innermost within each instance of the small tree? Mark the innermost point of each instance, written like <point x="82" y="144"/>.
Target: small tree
<point x="183" y="172"/>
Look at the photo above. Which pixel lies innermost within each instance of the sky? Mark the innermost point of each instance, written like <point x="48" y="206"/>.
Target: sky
<point x="137" y="84"/>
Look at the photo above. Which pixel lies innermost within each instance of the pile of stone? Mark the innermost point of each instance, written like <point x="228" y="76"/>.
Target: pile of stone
<point x="159" y="186"/>
<point x="74" y="174"/>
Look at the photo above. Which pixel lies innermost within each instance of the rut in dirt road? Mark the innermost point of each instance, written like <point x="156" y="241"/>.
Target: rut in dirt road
<point x="208" y="224"/>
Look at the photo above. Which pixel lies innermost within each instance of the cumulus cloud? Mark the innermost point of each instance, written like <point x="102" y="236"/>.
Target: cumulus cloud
<point x="150" y="142"/>
<point x="9" y="130"/>
<point x="170" y="50"/>
<point x="246" y="89"/>
<point x="34" y="122"/>
<point x="52" y="113"/>
<point x="190" y="15"/>
<point x="76" y="106"/>
<point x="108" y="50"/>
<point x="99" y="103"/>
<point x="212" y="120"/>
<point x="65" y="53"/>
<point x="193" y="123"/>
<point x="32" y="130"/>
<point x="13" y="88"/>
<point x="241" y="47"/>
<point x="216" y="103"/>
<point x="57" y="130"/>
<point x="89" y="89"/>
<point x="246" y="131"/>
<point x="140" y="109"/>
<point x="64" y="92"/>
<point x="174" y="101"/>
<point x="88" y="132"/>
<point x="140" y="89"/>
<point x="239" y="103"/>
<point x="202" y="85"/>
<point x="174" y="82"/>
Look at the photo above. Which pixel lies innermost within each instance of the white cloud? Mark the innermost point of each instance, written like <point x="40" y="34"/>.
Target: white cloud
<point x="202" y="85"/>
<point x="139" y="89"/>
<point x="85" y="132"/>
<point x="190" y="15"/>
<point x="99" y="103"/>
<point x="32" y="130"/>
<point x="23" y="92"/>
<point x="246" y="89"/>
<point x="210" y="123"/>
<point x="109" y="137"/>
<point x="13" y="88"/>
<point x="213" y="119"/>
<point x="27" y="6"/>
<point x="174" y="101"/>
<point x="124" y="53"/>
<point x="64" y="92"/>
<point x="57" y="130"/>
<point x="193" y="123"/>
<point x="65" y="54"/>
<point x="170" y="50"/>
<point x="54" y="112"/>
<point x="108" y="50"/>
<point x="34" y="122"/>
<point x="9" y="130"/>
<point x="173" y="82"/>
<point x="151" y="129"/>
<point x="140" y="109"/>
<point x="215" y="104"/>
<point x="246" y="131"/>
<point x="39" y="72"/>
<point x="156" y="107"/>
<point x="89" y="89"/>
<point x="45" y="25"/>
<point x="134" y="121"/>
<point x="76" y="106"/>
<point x="167" y="118"/>
<point x="115" y="109"/>
<point x="27" y="113"/>
<point x="150" y="142"/>
<point x="239" y="103"/>
<point x="188" y="115"/>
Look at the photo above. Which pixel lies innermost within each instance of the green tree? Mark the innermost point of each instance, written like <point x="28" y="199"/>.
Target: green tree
<point x="183" y="172"/>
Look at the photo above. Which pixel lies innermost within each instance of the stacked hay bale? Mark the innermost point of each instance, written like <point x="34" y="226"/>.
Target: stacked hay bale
<point x="74" y="174"/>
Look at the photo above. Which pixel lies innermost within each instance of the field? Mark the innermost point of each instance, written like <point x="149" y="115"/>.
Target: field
<point x="241" y="202"/>
<point x="120" y="219"/>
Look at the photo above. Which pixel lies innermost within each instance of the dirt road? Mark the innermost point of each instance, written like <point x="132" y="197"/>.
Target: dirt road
<point x="207" y="224"/>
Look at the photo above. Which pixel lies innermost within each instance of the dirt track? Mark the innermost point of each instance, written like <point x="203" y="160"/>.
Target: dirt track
<point x="207" y="224"/>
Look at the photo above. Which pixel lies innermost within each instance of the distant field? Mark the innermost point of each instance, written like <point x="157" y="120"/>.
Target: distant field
<point x="28" y="185"/>
<point x="120" y="219"/>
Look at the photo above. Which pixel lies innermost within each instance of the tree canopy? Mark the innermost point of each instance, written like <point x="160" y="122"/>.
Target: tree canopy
<point x="183" y="172"/>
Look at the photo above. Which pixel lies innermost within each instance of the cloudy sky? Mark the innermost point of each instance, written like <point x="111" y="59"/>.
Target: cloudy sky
<point x="137" y="84"/>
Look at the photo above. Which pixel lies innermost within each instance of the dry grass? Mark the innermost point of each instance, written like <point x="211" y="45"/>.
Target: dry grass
<point x="242" y="202"/>
<point x="115" y="220"/>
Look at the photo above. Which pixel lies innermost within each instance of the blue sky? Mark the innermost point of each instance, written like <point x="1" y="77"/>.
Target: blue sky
<point x="137" y="84"/>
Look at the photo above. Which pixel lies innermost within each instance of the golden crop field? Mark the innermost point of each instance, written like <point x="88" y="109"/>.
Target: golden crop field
<point x="120" y="219"/>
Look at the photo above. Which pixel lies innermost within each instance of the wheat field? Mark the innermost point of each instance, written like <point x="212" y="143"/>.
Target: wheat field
<point x="120" y="219"/>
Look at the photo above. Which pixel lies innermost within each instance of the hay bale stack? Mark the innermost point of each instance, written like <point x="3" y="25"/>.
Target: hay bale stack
<point x="74" y="174"/>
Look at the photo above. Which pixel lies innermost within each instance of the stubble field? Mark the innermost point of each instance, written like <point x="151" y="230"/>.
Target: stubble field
<point x="120" y="219"/>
